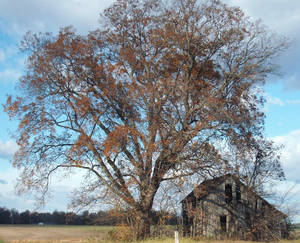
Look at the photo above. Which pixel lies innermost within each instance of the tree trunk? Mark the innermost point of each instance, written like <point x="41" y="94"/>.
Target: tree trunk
<point x="143" y="223"/>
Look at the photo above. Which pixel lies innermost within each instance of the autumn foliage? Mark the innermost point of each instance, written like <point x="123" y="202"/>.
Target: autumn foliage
<point x="146" y="99"/>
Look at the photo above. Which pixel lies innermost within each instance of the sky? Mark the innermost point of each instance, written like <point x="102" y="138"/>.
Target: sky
<point x="282" y="92"/>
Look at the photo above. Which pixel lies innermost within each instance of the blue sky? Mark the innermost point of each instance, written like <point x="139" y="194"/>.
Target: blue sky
<point x="282" y="93"/>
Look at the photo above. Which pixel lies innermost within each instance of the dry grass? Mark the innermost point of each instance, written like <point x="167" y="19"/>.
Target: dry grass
<point x="209" y="241"/>
<point x="47" y="234"/>
<point x="85" y="234"/>
<point x="170" y="240"/>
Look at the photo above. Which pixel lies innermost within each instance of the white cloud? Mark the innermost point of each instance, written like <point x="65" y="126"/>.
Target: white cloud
<point x="293" y="102"/>
<point x="292" y="82"/>
<point x="286" y="196"/>
<point x="9" y="49"/>
<point x="3" y="182"/>
<point x="8" y="148"/>
<point x="2" y="56"/>
<point x="9" y="198"/>
<point x="290" y="158"/>
<point x="271" y="100"/>
<point x="48" y="15"/>
<point x="281" y="15"/>
<point x="60" y="190"/>
<point x="290" y="154"/>
<point x="9" y="75"/>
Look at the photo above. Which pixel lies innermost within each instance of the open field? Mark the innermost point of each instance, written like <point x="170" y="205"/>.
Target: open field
<point x="81" y="234"/>
<point x="34" y="233"/>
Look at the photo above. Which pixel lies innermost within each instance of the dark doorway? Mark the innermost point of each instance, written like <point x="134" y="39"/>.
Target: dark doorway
<point x="228" y="193"/>
<point x="223" y="223"/>
<point x="238" y="192"/>
<point x="248" y="219"/>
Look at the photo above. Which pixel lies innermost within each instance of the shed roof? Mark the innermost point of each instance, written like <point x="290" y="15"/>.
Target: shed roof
<point x="209" y="185"/>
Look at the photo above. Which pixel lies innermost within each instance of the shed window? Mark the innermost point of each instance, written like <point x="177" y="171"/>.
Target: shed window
<point x="223" y="223"/>
<point x="238" y="192"/>
<point x="228" y="193"/>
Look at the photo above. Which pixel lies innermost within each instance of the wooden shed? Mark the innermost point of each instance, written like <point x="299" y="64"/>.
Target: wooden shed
<point x="225" y="207"/>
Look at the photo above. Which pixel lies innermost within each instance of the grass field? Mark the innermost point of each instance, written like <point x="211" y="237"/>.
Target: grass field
<point x="34" y="233"/>
<point x="81" y="234"/>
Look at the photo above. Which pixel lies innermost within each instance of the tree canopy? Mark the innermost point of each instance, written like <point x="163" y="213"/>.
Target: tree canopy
<point x="147" y="98"/>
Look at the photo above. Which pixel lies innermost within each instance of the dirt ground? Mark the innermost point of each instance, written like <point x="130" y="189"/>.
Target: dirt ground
<point x="51" y="233"/>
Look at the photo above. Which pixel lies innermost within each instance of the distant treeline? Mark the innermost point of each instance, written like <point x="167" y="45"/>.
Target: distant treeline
<point x="12" y="216"/>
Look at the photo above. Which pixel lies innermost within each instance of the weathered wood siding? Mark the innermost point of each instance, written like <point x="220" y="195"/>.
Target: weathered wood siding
<point x="216" y="215"/>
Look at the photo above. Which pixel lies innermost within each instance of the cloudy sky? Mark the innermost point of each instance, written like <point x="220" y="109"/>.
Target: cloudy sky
<point x="282" y="93"/>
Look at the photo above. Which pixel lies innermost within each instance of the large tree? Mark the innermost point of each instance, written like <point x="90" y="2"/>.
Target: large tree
<point x="146" y="99"/>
